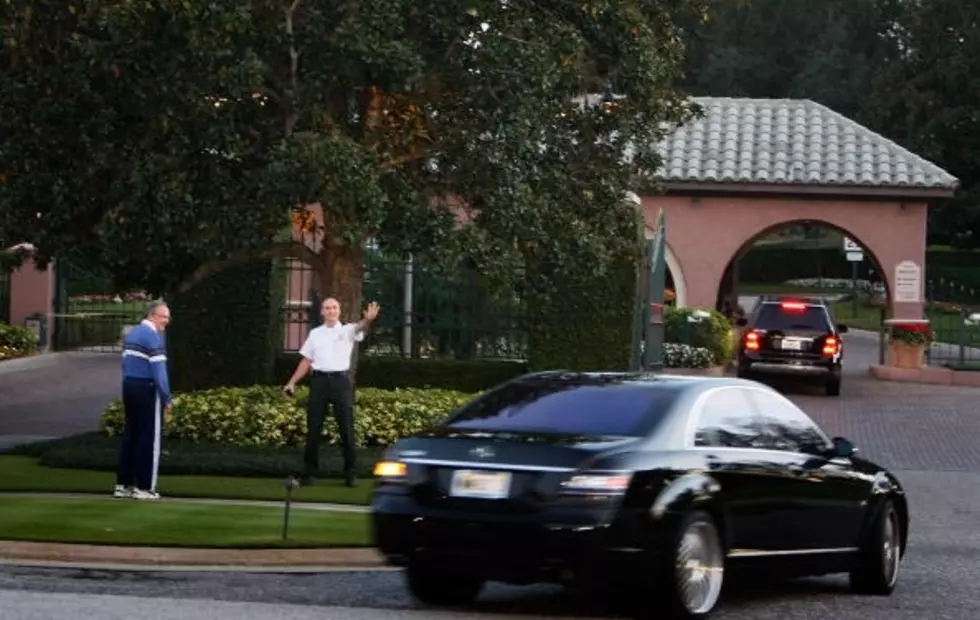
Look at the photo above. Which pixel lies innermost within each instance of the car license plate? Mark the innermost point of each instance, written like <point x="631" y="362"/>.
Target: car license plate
<point x="480" y="484"/>
<point x="792" y="345"/>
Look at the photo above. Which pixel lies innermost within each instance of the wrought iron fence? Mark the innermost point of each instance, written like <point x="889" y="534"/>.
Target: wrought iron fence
<point x="425" y="313"/>
<point x="88" y="314"/>
<point x="956" y="337"/>
<point x="4" y="295"/>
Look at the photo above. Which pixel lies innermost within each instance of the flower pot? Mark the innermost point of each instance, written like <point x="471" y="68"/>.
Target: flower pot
<point x="904" y="355"/>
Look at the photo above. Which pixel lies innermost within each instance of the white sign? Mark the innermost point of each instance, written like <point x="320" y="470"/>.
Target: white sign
<point x="855" y="257"/>
<point x="851" y="246"/>
<point x="908" y="282"/>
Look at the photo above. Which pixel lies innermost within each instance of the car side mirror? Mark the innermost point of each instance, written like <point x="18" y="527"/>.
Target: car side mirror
<point x="842" y="329"/>
<point x="843" y="448"/>
<point x="741" y="321"/>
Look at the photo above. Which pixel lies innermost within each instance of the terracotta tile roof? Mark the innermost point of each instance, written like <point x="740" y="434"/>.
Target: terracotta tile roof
<point x="790" y="141"/>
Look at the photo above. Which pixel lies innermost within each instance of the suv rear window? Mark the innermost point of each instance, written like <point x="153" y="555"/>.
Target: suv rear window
<point x="616" y="409"/>
<point x="774" y="316"/>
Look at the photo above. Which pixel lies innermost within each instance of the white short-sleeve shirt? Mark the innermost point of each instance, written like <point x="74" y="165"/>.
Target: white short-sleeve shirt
<point x="329" y="349"/>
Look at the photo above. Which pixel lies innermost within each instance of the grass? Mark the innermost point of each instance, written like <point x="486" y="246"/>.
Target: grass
<point x="172" y="524"/>
<point x="25" y="474"/>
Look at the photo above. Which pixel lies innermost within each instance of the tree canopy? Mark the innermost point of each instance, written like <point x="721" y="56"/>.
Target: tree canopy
<point x="162" y="140"/>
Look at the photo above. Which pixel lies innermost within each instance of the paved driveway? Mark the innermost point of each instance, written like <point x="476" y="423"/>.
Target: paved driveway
<point x="55" y="394"/>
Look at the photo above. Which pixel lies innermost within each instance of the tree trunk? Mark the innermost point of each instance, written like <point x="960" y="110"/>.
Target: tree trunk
<point x="342" y="277"/>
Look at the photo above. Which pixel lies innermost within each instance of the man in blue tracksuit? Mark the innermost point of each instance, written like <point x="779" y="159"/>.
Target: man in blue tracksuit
<point x="146" y="396"/>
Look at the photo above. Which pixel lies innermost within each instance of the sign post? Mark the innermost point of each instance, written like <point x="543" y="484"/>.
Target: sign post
<point x="855" y="254"/>
<point x="654" y="324"/>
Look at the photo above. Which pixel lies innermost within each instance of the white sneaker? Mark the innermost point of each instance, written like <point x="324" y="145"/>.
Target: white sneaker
<point x="141" y="494"/>
<point x="121" y="491"/>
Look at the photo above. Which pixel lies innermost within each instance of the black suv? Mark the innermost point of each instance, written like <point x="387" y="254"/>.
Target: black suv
<point x="792" y="337"/>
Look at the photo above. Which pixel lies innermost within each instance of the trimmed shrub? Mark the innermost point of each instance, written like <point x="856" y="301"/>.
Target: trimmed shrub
<point x="389" y="372"/>
<point x="264" y="416"/>
<point x="700" y="327"/>
<point x="16" y="341"/>
<point x="686" y="356"/>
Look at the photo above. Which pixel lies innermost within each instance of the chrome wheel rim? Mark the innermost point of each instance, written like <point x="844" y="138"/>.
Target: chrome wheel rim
<point x="700" y="568"/>
<point x="891" y="549"/>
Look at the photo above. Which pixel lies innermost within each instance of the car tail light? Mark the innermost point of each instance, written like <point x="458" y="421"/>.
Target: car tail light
<point x="830" y="346"/>
<point x="599" y="483"/>
<point x="793" y="306"/>
<point x="752" y="341"/>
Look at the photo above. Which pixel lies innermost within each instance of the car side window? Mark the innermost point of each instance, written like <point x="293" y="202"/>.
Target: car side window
<point x="785" y="427"/>
<point x="727" y="420"/>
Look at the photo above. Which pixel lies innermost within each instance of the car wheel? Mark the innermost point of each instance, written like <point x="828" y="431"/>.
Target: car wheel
<point x="696" y="569"/>
<point x="880" y="555"/>
<point x="832" y="387"/>
<point x="443" y="588"/>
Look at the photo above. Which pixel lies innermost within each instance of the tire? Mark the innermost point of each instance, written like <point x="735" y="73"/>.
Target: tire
<point x="832" y="387"/>
<point x="441" y="588"/>
<point x="696" y="554"/>
<point x="877" y="567"/>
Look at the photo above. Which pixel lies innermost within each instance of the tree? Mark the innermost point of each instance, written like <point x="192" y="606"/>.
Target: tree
<point x="165" y="140"/>
<point x="926" y="100"/>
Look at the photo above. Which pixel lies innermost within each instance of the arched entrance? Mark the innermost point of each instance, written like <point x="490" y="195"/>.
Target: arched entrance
<point x="675" y="275"/>
<point x="732" y="285"/>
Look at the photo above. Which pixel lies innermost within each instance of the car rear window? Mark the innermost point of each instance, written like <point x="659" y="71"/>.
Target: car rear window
<point x="809" y="318"/>
<point x="619" y="409"/>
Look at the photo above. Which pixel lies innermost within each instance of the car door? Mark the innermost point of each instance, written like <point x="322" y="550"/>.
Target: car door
<point x="727" y="431"/>
<point x="818" y="500"/>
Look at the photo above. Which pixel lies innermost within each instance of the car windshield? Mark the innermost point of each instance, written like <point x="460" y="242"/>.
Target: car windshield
<point x="611" y="409"/>
<point x="793" y="317"/>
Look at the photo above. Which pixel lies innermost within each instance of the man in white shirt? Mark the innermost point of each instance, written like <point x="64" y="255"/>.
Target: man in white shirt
<point x="327" y="352"/>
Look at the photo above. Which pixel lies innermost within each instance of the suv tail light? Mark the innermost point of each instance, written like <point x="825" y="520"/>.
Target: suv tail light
<point x="830" y="346"/>
<point x="752" y="341"/>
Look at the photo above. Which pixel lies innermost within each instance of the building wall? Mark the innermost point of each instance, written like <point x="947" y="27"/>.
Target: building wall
<point x="705" y="233"/>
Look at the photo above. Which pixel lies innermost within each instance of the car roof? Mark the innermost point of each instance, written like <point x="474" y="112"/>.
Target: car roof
<point x="655" y="380"/>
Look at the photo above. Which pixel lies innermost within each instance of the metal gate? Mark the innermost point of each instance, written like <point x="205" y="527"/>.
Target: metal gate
<point x="4" y="295"/>
<point x="89" y="314"/>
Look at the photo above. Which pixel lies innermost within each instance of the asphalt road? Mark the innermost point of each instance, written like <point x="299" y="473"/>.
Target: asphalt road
<point x="927" y="434"/>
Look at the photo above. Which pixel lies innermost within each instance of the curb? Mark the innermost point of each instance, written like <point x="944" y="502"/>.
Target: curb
<point x="105" y="557"/>
<point x="296" y="505"/>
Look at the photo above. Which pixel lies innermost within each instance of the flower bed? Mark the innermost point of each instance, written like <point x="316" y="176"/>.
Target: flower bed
<point x="687" y="356"/>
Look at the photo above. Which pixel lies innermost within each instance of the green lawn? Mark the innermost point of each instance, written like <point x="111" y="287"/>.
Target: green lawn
<point x="25" y="474"/>
<point x="174" y="524"/>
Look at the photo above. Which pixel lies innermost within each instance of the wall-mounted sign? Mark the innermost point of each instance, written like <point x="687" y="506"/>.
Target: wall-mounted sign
<point x="908" y="282"/>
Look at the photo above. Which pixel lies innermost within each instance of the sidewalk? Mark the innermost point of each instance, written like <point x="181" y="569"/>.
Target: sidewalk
<point x="121" y="558"/>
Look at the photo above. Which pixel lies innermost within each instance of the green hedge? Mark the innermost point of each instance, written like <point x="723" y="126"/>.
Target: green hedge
<point x="389" y="373"/>
<point x="583" y="319"/>
<point x="16" y="341"/>
<point x="263" y="416"/>
<point x="709" y="329"/>
<point x="225" y="331"/>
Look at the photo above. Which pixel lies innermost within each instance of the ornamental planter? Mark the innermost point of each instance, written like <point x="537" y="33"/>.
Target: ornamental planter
<point x="904" y="355"/>
<point x="907" y="342"/>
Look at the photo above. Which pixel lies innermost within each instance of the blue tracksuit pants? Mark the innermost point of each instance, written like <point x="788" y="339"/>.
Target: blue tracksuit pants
<point x="139" y="450"/>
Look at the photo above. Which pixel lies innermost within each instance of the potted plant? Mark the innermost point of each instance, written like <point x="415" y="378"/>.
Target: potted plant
<point x="907" y="342"/>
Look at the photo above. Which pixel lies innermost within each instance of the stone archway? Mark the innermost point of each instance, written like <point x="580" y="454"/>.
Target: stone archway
<point x="674" y="269"/>
<point x="746" y="247"/>
<point x="706" y="231"/>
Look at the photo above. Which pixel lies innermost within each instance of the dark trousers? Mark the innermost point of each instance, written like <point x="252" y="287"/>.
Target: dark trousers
<point x="139" y="448"/>
<point x="326" y="389"/>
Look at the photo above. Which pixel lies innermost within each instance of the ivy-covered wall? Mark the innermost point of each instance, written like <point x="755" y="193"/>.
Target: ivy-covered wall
<point x="226" y="331"/>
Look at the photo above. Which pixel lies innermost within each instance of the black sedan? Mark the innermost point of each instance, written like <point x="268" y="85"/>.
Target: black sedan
<point x="656" y="484"/>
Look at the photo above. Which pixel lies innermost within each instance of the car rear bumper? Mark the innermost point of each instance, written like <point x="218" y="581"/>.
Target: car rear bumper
<point x="523" y="549"/>
<point x="791" y="366"/>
